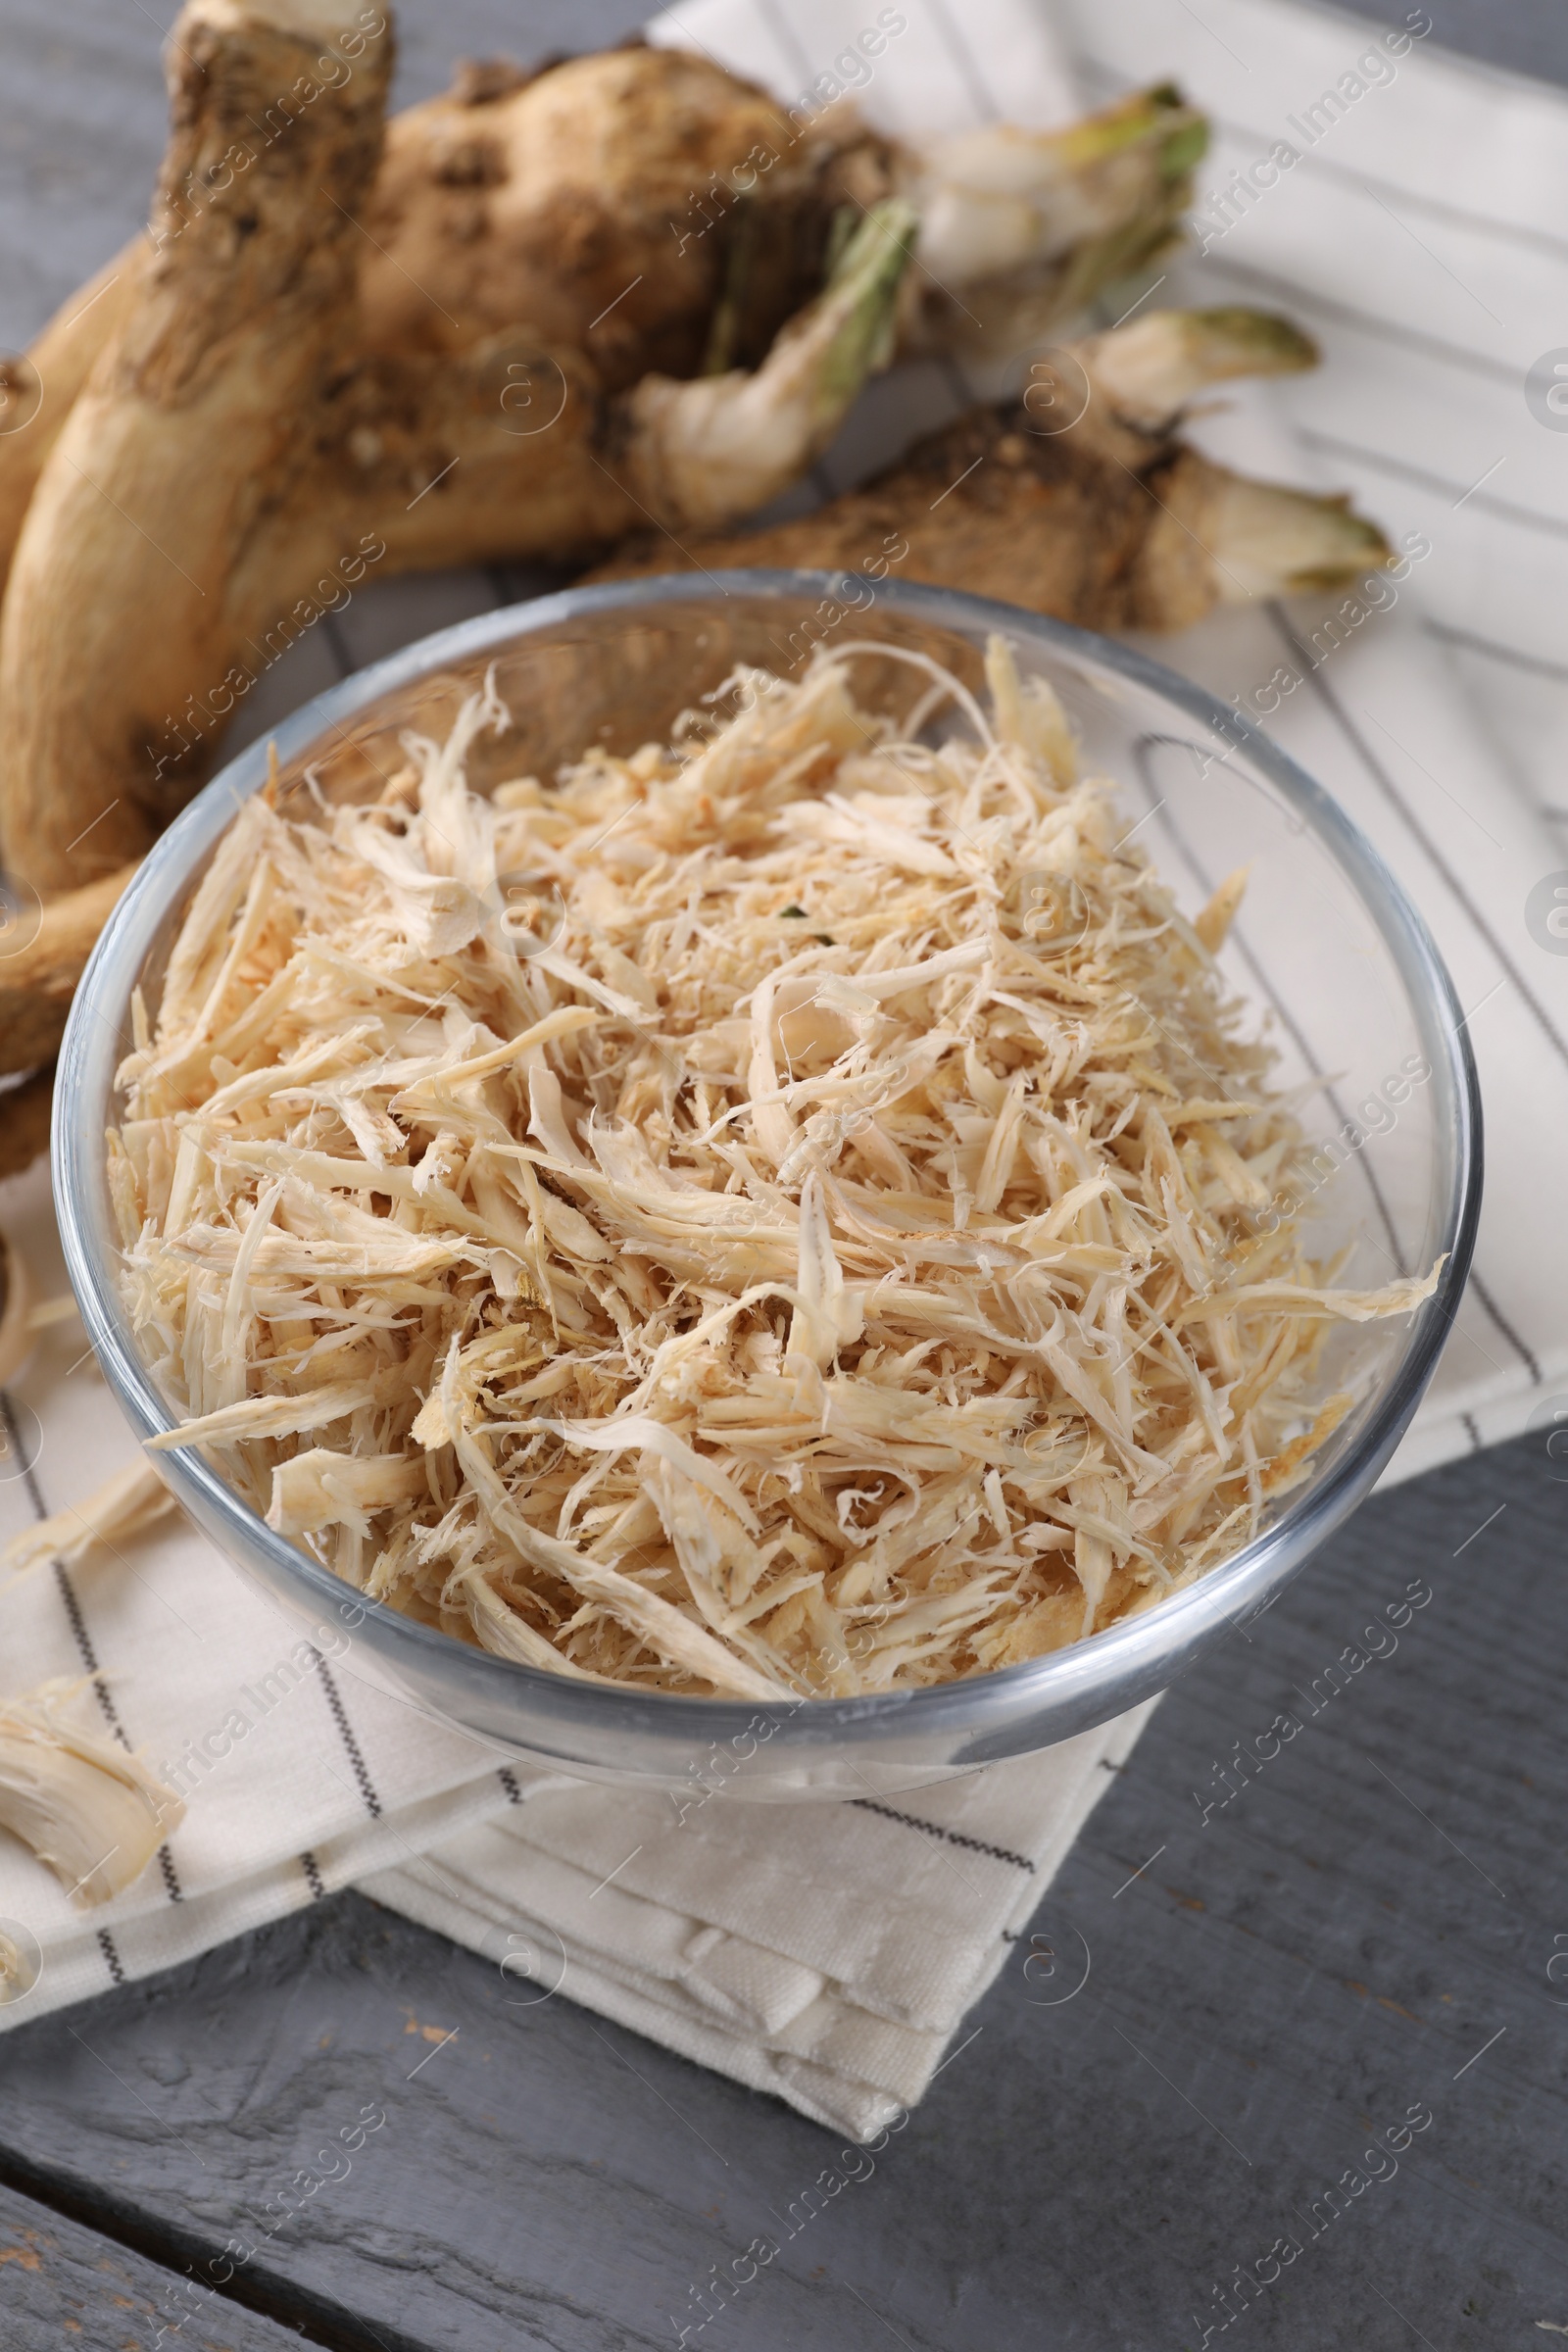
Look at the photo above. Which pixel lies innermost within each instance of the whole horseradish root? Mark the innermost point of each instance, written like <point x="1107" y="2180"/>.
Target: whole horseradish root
<point x="190" y="423"/>
<point x="531" y="348"/>
<point x="705" y="211"/>
<point x="273" y="400"/>
<point x="237" y="438"/>
<point x="648" y="209"/>
<point x="38" y="978"/>
<point x="1109" y="522"/>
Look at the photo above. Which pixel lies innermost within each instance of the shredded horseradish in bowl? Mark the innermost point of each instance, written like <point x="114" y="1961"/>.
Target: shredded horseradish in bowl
<point x="796" y="1210"/>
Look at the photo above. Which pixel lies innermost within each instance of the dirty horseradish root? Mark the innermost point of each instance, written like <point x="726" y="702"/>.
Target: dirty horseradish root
<point x="783" y="1251"/>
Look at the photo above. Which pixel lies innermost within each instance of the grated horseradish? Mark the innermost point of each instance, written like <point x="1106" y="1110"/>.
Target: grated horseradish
<point x="769" y="1255"/>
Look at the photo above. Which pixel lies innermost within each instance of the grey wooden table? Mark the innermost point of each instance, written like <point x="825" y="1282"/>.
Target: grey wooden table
<point x="1372" y="1930"/>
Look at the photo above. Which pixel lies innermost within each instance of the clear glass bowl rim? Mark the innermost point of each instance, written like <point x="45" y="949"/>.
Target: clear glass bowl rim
<point x="1085" y="1683"/>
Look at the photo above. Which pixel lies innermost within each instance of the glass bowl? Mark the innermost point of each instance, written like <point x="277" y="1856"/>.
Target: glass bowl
<point x="1326" y="946"/>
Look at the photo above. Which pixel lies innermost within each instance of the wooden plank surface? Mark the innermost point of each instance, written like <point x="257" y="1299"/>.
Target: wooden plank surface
<point x="1370" y="1926"/>
<point x="61" y="2283"/>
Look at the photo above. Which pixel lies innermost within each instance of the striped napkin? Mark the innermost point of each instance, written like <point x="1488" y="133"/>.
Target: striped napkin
<point x="829" y="1953"/>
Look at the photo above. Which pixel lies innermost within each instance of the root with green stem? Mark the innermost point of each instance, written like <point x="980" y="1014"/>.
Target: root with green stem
<point x="1109" y="521"/>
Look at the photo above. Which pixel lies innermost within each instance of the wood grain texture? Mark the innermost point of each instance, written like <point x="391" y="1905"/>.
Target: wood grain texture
<point x="63" y="2284"/>
<point x="1528" y="37"/>
<point x="1328" y="1949"/>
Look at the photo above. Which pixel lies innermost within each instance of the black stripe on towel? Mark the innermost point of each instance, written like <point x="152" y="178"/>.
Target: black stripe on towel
<point x="1390" y="332"/>
<point x="313" y="1877"/>
<point x="356" y="1756"/>
<point x="965" y="59"/>
<point x="509" y="1781"/>
<point x="932" y="1828"/>
<point x="1434" y="208"/>
<point x="1413" y="825"/>
<point x="106" y="1944"/>
<point x="86" y="1653"/>
<point x="1529" y="1361"/>
<point x="1495" y="652"/>
<point x="1382" y="461"/>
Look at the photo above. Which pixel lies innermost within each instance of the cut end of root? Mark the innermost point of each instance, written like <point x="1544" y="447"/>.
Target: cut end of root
<point x="1160" y="115"/>
<point x="1150" y="370"/>
<point x="711" y="450"/>
<point x="1235" y="341"/>
<point x="310" y="20"/>
<point x="1268" y="541"/>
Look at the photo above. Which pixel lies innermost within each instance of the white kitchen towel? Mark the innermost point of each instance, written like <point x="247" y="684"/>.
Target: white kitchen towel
<point x="823" y="1952"/>
<point x="830" y="1953"/>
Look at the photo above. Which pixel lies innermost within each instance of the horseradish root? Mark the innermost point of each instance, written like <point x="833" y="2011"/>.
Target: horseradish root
<point x="740" y="1220"/>
<point x="563" y="238"/>
<point x="726" y="444"/>
<point x="86" y="1806"/>
<point x="651" y="211"/>
<point x="24" y="1114"/>
<point x="164" y="581"/>
<point x="702" y="209"/>
<point x="560" y="206"/>
<point x="609" y="202"/>
<point x="194" y="419"/>
<point x="1020" y="228"/>
<point x="38" y="980"/>
<point x="1106" y="520"/>
<point x="40" y="388"/>
<point x="15" y="1335"/>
